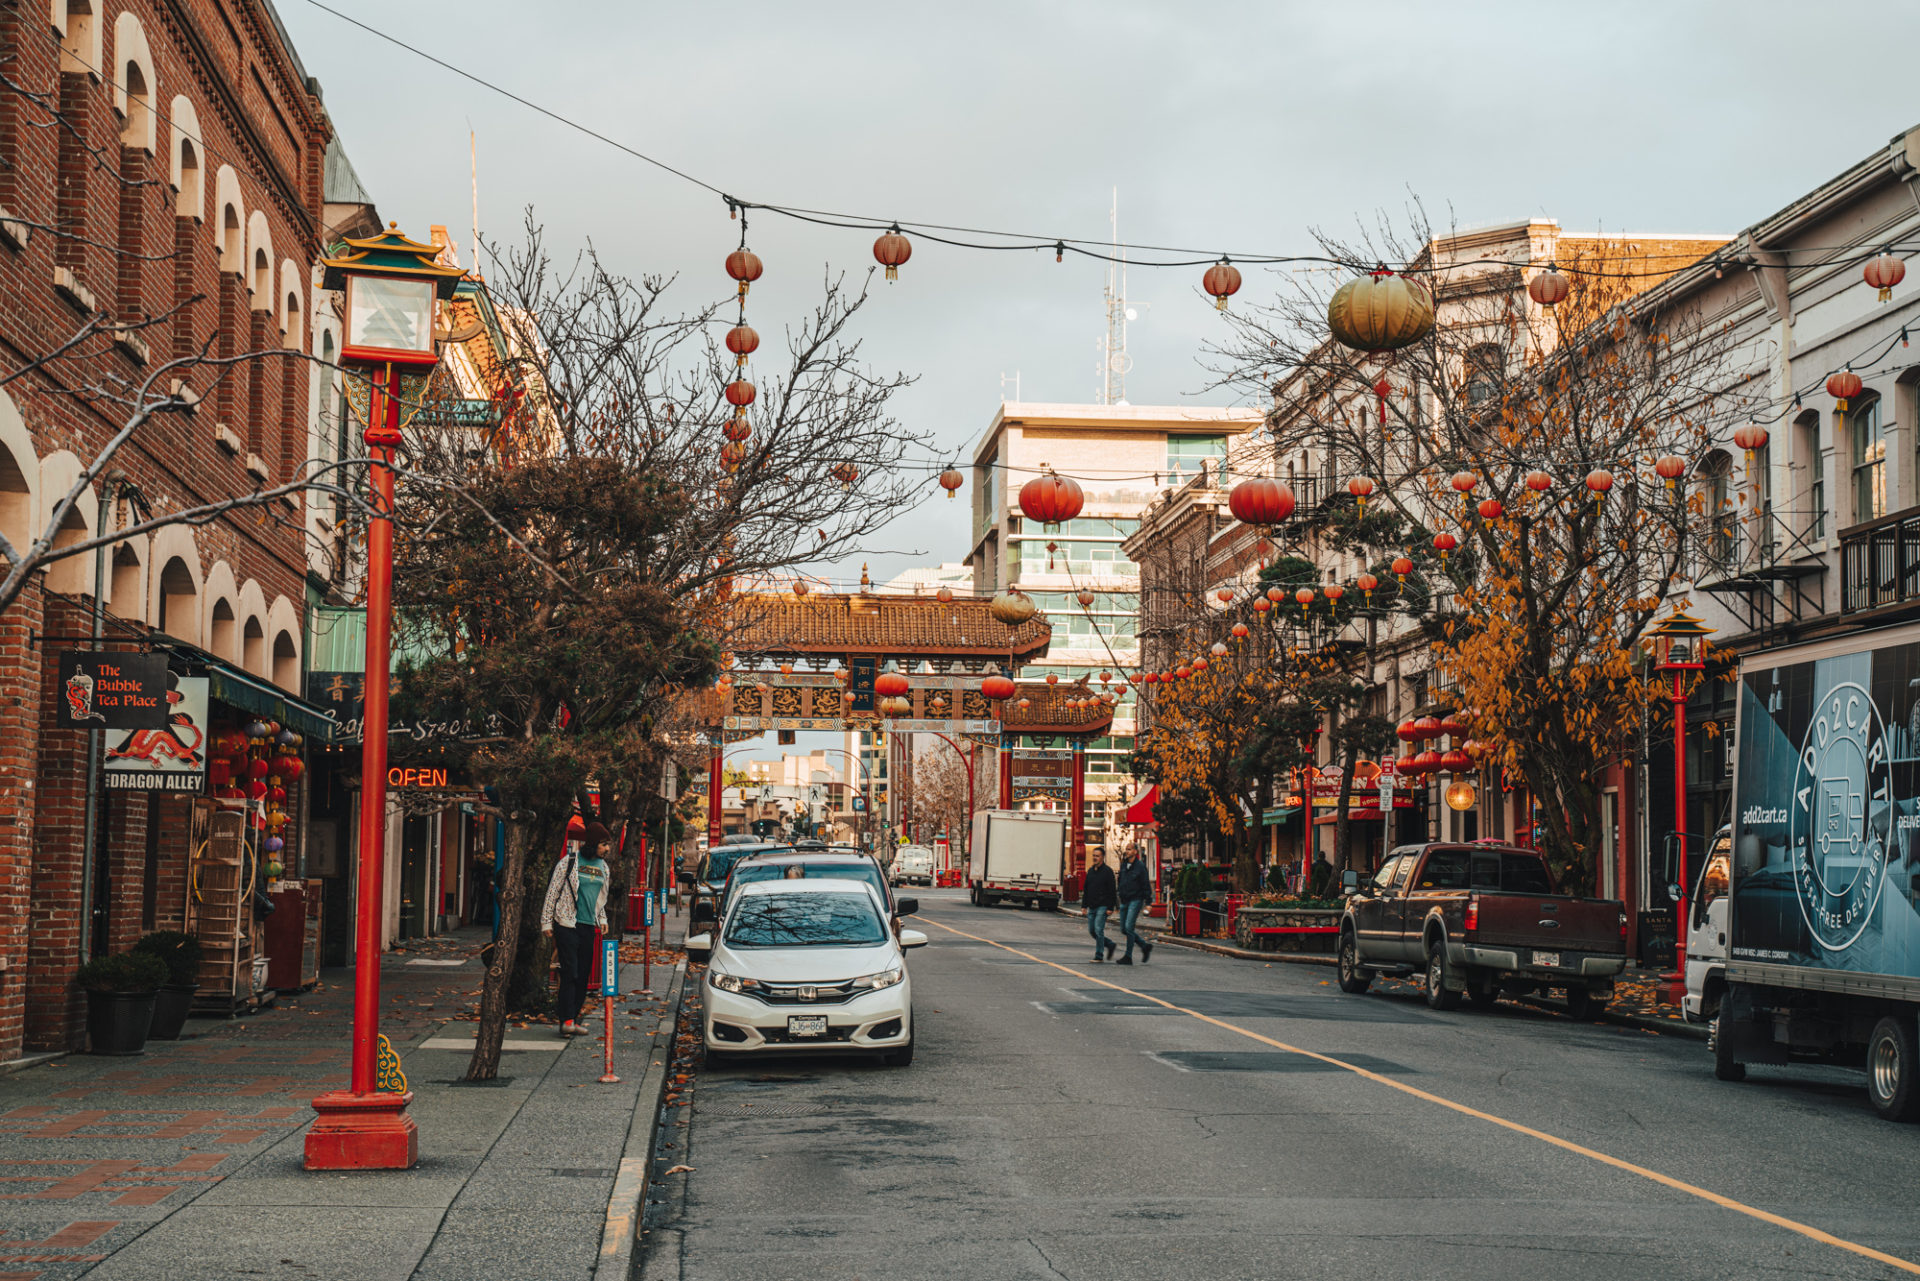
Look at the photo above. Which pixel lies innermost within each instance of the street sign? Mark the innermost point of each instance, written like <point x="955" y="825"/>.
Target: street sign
<point x="670" y="782"/>
<point x="101" y="690"/>
<point x="610" y="965"/>
<point x="646" y="915"/>
<point x="169" y="759"/>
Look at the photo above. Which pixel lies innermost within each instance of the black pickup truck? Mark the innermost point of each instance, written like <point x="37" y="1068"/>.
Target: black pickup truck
<point x="1479" y="920"/>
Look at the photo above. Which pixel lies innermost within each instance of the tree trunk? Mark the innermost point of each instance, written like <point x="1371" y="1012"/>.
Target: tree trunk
<point x="1342" y="820"/>
<point x="527" y="988"/>
<point x="485" y="1065"/>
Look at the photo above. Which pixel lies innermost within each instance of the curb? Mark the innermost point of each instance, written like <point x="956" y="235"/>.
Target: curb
<point x="33" y="1060"/>
<point x="1665" y="1027"/>
<point x="1218" y="949"/>
<point x="622" y="1232"/>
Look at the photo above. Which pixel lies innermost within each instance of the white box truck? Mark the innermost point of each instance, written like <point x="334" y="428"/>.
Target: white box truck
<point x="1822" y="909"/>
<point x="1018" y="857"/>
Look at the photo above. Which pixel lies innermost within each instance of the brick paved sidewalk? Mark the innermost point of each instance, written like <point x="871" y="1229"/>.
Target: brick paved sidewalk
<point x="186" y="1161"/>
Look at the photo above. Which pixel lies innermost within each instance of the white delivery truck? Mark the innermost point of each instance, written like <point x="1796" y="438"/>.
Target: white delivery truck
<point x="1018" y="857"/>
<point x="1822" y="909"/>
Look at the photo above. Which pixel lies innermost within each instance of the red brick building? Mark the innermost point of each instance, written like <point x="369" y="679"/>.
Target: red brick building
<point x="158" y="159"/>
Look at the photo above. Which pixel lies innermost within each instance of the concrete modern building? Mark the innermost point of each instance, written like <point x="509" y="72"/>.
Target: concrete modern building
<point x="1123" y="457"/>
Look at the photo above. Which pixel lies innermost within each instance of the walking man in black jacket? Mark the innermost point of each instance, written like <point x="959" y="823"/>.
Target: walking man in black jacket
<point x="1136" y="887"/>
<point x="1099" y="896"/>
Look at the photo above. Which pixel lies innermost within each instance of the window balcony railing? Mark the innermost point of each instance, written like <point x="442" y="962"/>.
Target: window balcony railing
<point x="1880" y="562"/>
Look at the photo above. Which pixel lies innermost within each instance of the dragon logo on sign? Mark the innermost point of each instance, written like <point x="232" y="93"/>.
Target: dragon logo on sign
<point x="1840" y="824"/>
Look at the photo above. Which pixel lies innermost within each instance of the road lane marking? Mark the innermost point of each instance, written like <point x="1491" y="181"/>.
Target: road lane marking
<point x="1664" y="1180"/>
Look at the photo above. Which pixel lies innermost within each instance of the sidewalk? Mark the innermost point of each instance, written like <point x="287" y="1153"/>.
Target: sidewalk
<point x="186" y="1161"/>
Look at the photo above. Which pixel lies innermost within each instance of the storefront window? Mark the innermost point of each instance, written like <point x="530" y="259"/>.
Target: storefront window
<point x="1867" y="441"/>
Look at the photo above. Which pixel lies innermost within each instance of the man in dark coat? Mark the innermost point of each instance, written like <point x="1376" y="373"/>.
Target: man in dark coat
<point x="1100" y="895"/>
<point x="1136" y="887"/>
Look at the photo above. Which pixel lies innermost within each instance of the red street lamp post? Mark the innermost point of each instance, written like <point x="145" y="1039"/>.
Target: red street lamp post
<point x="392" y="287"/>
<point x="1678" y="638"/>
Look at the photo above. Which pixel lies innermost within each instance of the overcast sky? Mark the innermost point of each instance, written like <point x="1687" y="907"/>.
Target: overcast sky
<point x="1228" y="127"/>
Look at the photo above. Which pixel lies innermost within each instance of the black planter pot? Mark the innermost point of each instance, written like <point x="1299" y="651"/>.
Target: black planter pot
<point x="117" y="1022"/>
<point x="170" y="1006"/>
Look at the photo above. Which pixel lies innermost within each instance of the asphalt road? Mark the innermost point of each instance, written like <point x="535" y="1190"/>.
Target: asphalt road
<point x="1051" y="1127"/>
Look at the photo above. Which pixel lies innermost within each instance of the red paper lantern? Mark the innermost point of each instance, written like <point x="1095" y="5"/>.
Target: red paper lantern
<point x="950" y="480"/>
<point x="1262" y="605"/>
<point x="799" y="587"/>
<point x="1053" y="678"/>
<point x="1670" y="467"/>
<point x="1239" y="631"/>
<point x="257" y="788"/>
<point x="1539" y="482"/>
<point x="1402" y="566"/>
<point x="1086" y="599"/>
<point x="1260" y="500"/>
<point x="740" y="393"/>
<point x="845" y="473"/>
<point x="888" y="684"/>
<point x="1455" y="761"/>
<point x="1427" y="727"/>
<point x="1360" y="487"/>
<point x="1883" y="272"/>
<point x="742" y="341"/>
<point x="1444" y="543"/>
<point x="1452" y="726"/>
<point x="219" y="772"/>
<point x="1149" y="678"/>
<point x="1426" y="762"/>
<point x="744" y="266"/>
<point x="1222" y="281"/>
<point x="1843" y="387"/>
<point x="1276" y="595"/>
<point x="1464" y="481"/>
<point x="289" y="767"/>
<point x="1333" y="592"/>
<point x="277" y="795"/>
<point x="1051" y="499"/>
<point x="1199" y="665"/>
<point x="1406" y="732"/>
<point x="891" y="250"/>
<point x="1366" y="583"/>
<point x="1183" y="672"/>
<point x="1750" y="437"/>
<point x="1549" y="287"/>
<point x="944" y="595"/>
<point x="997" y="686"/>
<point x="1491" y="509"/>
<point x="256" y="769"/>
<point x="1599" y="481"/>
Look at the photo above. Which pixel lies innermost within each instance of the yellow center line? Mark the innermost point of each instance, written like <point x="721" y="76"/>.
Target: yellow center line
<point x="1664" y="1180"/>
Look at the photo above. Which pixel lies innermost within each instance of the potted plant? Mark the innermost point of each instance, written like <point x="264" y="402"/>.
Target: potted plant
<point x="120" y="992"/>
<point x="181" y="953"/>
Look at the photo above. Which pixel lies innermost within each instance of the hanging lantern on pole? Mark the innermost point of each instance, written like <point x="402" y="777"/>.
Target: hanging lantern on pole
<point x="1539" y="482"/>
<point x="1671" y="467"/>
<point x="1304" y="598"/>
<point x="1360" y="487"/>
<point x="1380" y="311"/>
<point x="742" y="341"/>
<point x="1444" y="543"/>
<point x="1491" y="509"/>
<point x="1366" y="583"/>
<point x="1883" y="272"/>
<point x="891" y="250"/>
<point x="951" y="480"/>
<point x="1843" y="387"/>
<point x="1750" y="437"/>
<point x="1222" y="281"/>
<point x="744" y="266"/>
<point x="1051" y="499"/>
<point x="1239" y="631"/>
<point x="1549" y="288"/>
<point x="1260" y="500"/>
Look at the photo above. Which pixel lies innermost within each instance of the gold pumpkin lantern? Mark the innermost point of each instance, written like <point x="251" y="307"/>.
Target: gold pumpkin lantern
<point x="1380" y="312"/>
<point x="1012" y="608"/>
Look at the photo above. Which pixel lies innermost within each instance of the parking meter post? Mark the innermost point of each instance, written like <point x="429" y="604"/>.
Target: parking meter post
<point x="609" y="988"/>
<point x="646" y="946"/>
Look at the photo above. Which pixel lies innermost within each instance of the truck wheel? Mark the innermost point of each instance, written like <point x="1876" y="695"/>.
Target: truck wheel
<point x="1353" y="979"/>
<point x="1438" y="995"/>
<point x="1049" y="905"/>
<point x="1725" y="1066"/>
<point x="1892" y="1060"/>
<point x="1580" y="1004"/>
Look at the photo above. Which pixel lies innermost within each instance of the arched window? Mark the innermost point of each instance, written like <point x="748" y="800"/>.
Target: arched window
<point x="262" y="280"/>
<point x="1867" y="447"/>
<point x="253" y="648"/>
<point x="186" y="203"/>
<point x="286" y="662"/>
<point x="137" y="129"/>
<point x="232" y="241"/>
<point x="16" y="500"/>
<point x="179" y="602"/>
<point x="222" y="636"/>
<point x="1722" y="514"/>
<point x="290" y="321"/>
<point x="1806" y="448"/>
<point x="126" y="588"/>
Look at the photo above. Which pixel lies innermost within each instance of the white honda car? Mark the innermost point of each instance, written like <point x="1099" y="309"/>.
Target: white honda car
<point x="804" y="965"/>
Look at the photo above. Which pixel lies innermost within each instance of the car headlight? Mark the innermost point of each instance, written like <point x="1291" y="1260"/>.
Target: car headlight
<point x="885" y="978"/>
<point x="732" y="982"/>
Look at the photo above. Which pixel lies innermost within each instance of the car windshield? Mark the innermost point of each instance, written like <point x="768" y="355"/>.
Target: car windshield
<point x="720" y="861"/>
<point x="805" y="920"/>
<point x="774" y="870"/>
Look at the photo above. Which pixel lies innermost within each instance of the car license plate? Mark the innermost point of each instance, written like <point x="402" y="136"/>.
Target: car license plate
<point x="806" y="1025"/>
<point x="1551" y="959"/>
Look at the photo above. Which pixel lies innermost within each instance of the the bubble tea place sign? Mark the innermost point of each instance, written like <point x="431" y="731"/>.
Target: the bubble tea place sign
<point x="112" y="691"/>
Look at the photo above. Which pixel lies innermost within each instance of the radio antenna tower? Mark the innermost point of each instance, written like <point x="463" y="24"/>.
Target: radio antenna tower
<point x="1114" y="361"/>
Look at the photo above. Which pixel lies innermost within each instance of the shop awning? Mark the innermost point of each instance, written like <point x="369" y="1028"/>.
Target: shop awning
<point x="1278" y="814"/>
<point x="1141" y="811"/>
<point x="249" y="693"/>
<point x="1353" y="816"/>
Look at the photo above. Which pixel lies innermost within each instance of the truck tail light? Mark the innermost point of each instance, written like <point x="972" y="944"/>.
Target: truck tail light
<point x="1473" y="912"/>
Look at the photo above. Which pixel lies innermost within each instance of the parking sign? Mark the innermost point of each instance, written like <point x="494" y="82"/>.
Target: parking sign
<point x="609" y="967"/>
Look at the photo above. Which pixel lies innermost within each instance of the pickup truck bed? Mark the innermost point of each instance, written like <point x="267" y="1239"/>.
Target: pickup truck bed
<point x="1478" y="920"/>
